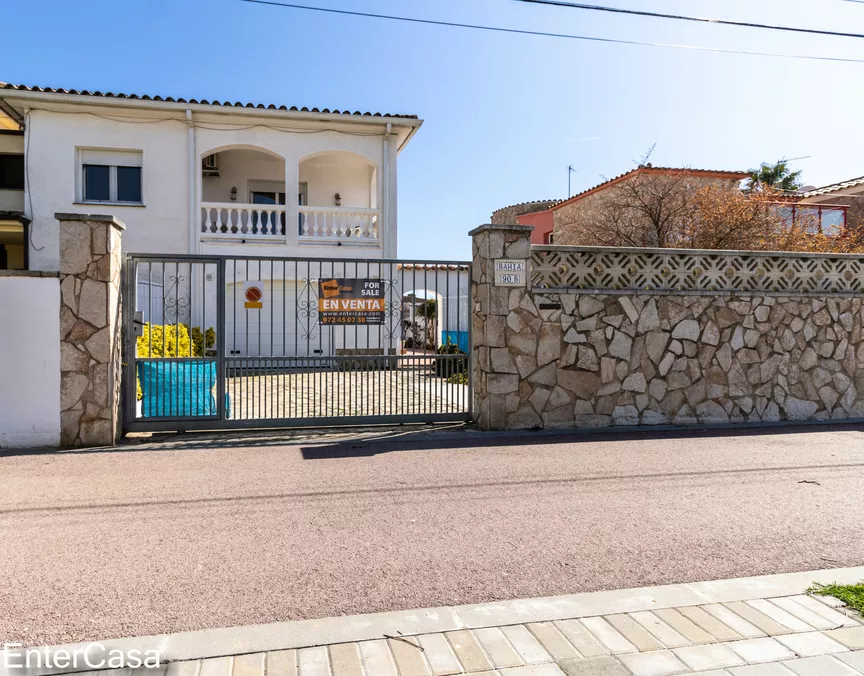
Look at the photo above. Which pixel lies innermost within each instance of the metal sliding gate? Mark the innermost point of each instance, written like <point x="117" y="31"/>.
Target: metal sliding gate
<point x="214" y="342"/>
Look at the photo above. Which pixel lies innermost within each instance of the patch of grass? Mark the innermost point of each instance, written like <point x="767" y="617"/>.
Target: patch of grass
<point x="851" y="594"/>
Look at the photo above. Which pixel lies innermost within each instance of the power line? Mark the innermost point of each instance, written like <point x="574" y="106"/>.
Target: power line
<point x="682" y="17"/>
<point x="566" y="36"/>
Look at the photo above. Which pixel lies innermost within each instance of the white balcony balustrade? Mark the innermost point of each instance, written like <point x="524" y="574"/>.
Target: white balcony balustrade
<point x="232" y="221"/>
<point x="348" y="225"/>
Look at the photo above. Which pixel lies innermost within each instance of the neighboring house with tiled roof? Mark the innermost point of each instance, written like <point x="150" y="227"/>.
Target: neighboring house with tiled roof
<point x="534" y="213"/>
<point x="831" y="208"/>
<point x="201" y="176"/>
<point x="846" y="197"/>
<point x="854" y="187"/>
<point x="569" y="217"/>
<point x="553" y="219"/>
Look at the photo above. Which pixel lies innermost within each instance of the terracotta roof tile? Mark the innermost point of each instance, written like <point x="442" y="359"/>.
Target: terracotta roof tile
<point x="171" y="99"/>
<point x="532" y="203"/>
<point x="432" y="266"/>
<point x="834" y="187"/>
<point x="656" y="170"/>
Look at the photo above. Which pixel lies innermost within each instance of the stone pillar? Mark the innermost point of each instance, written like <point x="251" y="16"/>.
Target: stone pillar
<point x="90" y="329"/>
<point x="495" y="379"/>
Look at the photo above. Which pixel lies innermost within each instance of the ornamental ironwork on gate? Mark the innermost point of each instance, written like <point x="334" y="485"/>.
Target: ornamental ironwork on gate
<point x="216" y="342"/>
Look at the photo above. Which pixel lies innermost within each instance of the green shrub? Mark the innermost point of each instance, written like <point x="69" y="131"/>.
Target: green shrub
<point x="450" y="347"/>
<point x="169" y="340"/>
<point x="448" y="368"/>
<point x="460" y="378"/>
<point x="202" y="342"/>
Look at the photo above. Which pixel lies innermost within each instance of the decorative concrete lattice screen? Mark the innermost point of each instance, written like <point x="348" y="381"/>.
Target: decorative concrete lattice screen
<point x="685" y="270"/>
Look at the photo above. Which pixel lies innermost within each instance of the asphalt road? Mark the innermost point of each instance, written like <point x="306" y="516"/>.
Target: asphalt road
<point x="169" y="537"/>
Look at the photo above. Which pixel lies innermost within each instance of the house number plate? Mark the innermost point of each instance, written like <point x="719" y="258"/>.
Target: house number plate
<point x="510" y="272"/>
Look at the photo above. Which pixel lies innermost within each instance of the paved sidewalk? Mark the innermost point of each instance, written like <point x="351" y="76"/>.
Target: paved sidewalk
<point x="758" y="626"/>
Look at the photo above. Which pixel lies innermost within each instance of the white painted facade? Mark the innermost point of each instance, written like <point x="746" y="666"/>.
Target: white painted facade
<point x="29" y="362"/>
<point x="318" y="154"/>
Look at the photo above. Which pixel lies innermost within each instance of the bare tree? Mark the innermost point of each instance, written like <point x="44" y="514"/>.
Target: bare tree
<point x="760" y="221"/>
<point x="647" y="209"/>
<point x="723" y="218"/>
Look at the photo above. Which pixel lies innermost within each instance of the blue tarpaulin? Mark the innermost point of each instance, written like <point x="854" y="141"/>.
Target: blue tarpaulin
<point x="177" y="388"/>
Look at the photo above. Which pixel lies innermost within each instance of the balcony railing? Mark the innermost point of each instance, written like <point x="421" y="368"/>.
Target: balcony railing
<point x="349" y="225"/>
<point x="267" y="222"/>
<point x="230" y="220"/>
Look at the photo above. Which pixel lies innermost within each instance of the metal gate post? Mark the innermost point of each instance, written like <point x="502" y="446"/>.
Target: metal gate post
<point x="470" y="292"/>
<point x="220" y="339"/>
<point x="129" y="400"/>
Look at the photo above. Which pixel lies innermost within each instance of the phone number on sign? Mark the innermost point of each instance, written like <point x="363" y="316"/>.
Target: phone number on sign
<point x="352" y="319"/>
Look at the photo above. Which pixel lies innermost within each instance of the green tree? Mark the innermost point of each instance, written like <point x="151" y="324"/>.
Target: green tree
<point x="777" y="176"/>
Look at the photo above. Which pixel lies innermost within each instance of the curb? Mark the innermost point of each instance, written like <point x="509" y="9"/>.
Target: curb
<point x="223" y="642"/>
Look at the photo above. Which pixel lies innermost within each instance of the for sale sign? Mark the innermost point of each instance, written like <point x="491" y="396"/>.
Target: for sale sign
<point x="350" y="301"/>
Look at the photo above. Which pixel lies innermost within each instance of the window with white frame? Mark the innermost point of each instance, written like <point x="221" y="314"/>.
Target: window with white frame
<point x="111" y="176"/>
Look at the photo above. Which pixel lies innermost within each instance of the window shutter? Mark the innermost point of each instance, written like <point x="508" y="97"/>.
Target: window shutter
<point x="112" y="158"/>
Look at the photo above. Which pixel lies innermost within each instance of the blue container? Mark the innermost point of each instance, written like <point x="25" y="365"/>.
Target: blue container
<point x="177" y="388"/>
<point x="459" y="338"/>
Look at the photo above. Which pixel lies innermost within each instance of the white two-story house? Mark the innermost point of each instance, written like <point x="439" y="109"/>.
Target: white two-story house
<point x="251" y="183"/>
<point x="193" y="176"/>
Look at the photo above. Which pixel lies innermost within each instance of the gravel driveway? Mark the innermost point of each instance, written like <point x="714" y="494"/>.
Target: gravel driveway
<point x="219" y="531"/>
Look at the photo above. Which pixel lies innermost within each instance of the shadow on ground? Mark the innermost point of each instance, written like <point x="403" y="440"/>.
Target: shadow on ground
<point x="478" y="439"/>
<point x="330" y="443"/>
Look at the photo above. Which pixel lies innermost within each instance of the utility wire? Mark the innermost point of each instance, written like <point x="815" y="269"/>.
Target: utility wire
<point x="566" y="36"/>
<point x="681" y="17"/>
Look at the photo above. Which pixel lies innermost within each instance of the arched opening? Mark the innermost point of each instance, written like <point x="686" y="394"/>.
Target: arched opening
<point x="422" y="311"/>
<point x="436" y="318"/>
<point x="338" y="196"/>
<point x="243" y="193"/>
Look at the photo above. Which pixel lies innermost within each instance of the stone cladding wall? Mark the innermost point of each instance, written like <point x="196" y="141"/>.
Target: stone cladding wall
<point x="90" y="329"/>
<point x="570" y="358"/>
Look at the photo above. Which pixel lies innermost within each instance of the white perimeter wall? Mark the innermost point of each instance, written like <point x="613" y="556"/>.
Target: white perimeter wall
<point x="29" y="362"/>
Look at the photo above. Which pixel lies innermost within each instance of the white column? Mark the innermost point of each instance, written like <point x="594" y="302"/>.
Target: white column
<point x="391" y="197"/>
<point x="194" y="187"/>
<point x="292" y="188"/>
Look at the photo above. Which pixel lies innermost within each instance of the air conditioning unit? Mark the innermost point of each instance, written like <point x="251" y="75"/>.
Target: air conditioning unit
<point x="210" y="165"/>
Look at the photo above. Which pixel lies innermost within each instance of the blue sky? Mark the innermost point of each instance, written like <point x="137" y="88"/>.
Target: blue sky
<point x="504" y="114"/>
